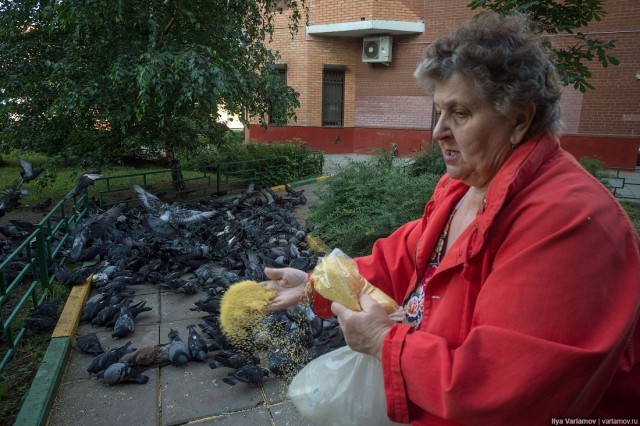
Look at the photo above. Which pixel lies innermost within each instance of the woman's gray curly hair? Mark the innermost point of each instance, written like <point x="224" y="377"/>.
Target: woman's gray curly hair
<point x="507" y="63"/>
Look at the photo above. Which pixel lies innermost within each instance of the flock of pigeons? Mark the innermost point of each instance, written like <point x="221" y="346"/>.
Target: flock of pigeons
<point x="192" y="248"/>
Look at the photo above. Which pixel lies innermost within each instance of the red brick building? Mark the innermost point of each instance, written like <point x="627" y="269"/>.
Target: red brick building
<point x="353" y="67"/>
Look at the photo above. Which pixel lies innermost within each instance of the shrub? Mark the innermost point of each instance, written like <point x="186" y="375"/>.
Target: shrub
<point x="595" y="167"/>
<point x="366" y="201"/>
<point x="281" y="162"/>
<point x="428" y="162"/>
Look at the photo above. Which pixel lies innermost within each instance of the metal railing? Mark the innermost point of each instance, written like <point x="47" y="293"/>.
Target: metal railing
<point x="228" y="177"/>
<point x="236" y="175"/>
<point x="26" y="273"/>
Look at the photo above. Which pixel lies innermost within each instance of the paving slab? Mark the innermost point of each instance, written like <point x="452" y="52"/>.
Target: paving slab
<point x="89" y="401"/>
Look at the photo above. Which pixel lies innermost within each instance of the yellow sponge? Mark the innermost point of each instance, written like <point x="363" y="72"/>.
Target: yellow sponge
<point x="242" y="307"/>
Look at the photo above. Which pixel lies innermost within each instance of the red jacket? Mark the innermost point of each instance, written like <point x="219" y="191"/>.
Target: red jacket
<point x="533" y="312"/>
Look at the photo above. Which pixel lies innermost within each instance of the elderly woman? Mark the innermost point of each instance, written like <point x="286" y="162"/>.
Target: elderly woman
<point x="521" y="282"/>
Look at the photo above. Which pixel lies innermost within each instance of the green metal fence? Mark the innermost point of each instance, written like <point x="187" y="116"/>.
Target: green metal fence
<point x="234" y="176"/>
<point x="27" y="273"/>
<point x="222" y="178"/>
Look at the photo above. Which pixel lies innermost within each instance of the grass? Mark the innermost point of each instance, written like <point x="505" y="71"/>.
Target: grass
<point x="19" y="373"/>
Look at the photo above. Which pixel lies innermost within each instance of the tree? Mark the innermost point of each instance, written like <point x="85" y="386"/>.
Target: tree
<point x="91" y="81"/>
<point x="569" y="16"/>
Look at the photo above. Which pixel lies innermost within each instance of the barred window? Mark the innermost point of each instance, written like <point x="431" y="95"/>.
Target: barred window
<point x="333" y="95"/>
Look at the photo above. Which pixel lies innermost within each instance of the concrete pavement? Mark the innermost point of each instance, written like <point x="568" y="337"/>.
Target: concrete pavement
<point x="192" y="394"/>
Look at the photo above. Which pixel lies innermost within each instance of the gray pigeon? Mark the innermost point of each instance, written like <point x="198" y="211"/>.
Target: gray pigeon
<point x="10" y="199"/>
<point x="89" y="344"/>
<point x="122" y="372"/>
<point x="28" y="173"/>
<point x="83" y="182"/>
<point x="196" y="344"/>
<point x="124" y="325"/>
<point x="169" y="212"/>
<point x="178" y="351"/>
<point x="104" y="360"/>
<point x="248" y="373"/>
<point x="12" y="231"/>
<point x="42" y="205"/>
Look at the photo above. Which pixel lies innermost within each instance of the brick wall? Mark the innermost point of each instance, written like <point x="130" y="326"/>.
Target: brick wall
<point x="398" y="112"/>
<point x="337" y="11"/>
<point x="379" y="96"/>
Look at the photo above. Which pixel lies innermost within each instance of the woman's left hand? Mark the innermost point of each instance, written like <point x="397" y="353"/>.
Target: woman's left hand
<point x="364" y="331"/>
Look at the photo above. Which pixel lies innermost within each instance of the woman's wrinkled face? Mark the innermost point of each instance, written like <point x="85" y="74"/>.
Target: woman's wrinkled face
<point x="474" y="138"/>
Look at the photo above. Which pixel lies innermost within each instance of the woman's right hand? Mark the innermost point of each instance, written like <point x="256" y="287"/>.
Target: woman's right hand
<point x="290" y="283"/>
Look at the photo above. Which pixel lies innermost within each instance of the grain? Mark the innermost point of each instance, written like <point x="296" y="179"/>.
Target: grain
<point x="242" y="307"/>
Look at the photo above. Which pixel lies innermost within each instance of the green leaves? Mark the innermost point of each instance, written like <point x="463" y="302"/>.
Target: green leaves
<point x="100" y="80"/>
<point x="570" y="17"/>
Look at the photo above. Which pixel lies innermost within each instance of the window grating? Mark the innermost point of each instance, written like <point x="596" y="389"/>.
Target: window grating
<point x="333" y="97"/>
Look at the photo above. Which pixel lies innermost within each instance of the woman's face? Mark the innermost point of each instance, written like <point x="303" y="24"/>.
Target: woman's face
<point x="475" y="139"/>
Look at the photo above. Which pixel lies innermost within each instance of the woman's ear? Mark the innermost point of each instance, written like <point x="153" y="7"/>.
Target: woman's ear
<point x="522" y="121"/>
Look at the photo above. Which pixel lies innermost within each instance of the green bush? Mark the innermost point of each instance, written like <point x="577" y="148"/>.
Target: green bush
<point x="428" y="162"/>
<point x="366" y="201"/>
<point x="595" y="167"/>
<point x="274" y="163"/>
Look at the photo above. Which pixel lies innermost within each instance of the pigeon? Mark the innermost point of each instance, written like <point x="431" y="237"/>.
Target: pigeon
<point x="169" y="212"/>
<point x="297" y="195"/>
<point x="104" y="360"/>
<point x="233" y="359"/>
<point x="10" y="199"/>
<point x="12" y="231"/>
<point x="72" y="278"/>
<point x="83" y="182"/>
<point x="107" y="313"/>
<point x="48" y="308"/>
<point x="28" y="173"/>
<point x="23" y="225"/>
<point x="42" y="318"/>
<point x="89" y="344"/>
<point x="196" y="344"/>
<point x="151" y="356"/>
<point x="135" y="310"/>
<point x="124" y="325"/>
<point x="249" y="373"/>
<point x="178" y="350"/>
<point x="42" y="205"/>
<point x="122" y="372"/>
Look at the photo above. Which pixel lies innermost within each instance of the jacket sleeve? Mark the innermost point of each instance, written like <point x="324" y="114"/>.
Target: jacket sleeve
<point x="552" y="321"/>
<point x="389" y="266"/>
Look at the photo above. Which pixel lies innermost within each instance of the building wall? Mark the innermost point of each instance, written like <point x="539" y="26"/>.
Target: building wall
<point x="336" y="11"/>
<point x="384" y="105"/>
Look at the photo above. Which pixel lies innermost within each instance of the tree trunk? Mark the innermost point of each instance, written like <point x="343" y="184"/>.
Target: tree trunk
<point x="174" y="164"/>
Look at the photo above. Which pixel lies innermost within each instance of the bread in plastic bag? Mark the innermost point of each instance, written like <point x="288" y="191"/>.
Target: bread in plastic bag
<point x="336" y="278"/>
<point x="341" y="388"/>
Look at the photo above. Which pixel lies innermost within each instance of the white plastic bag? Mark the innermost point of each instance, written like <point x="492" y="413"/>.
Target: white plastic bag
<point x="341" y="388"/>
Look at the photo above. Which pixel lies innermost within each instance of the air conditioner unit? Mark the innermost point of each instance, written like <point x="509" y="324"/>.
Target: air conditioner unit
<point x="377" y="49"/>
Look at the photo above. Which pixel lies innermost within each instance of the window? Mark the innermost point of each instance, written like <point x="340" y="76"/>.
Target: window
<point x="333" y="95"/>
<point x="274" y="119"/>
